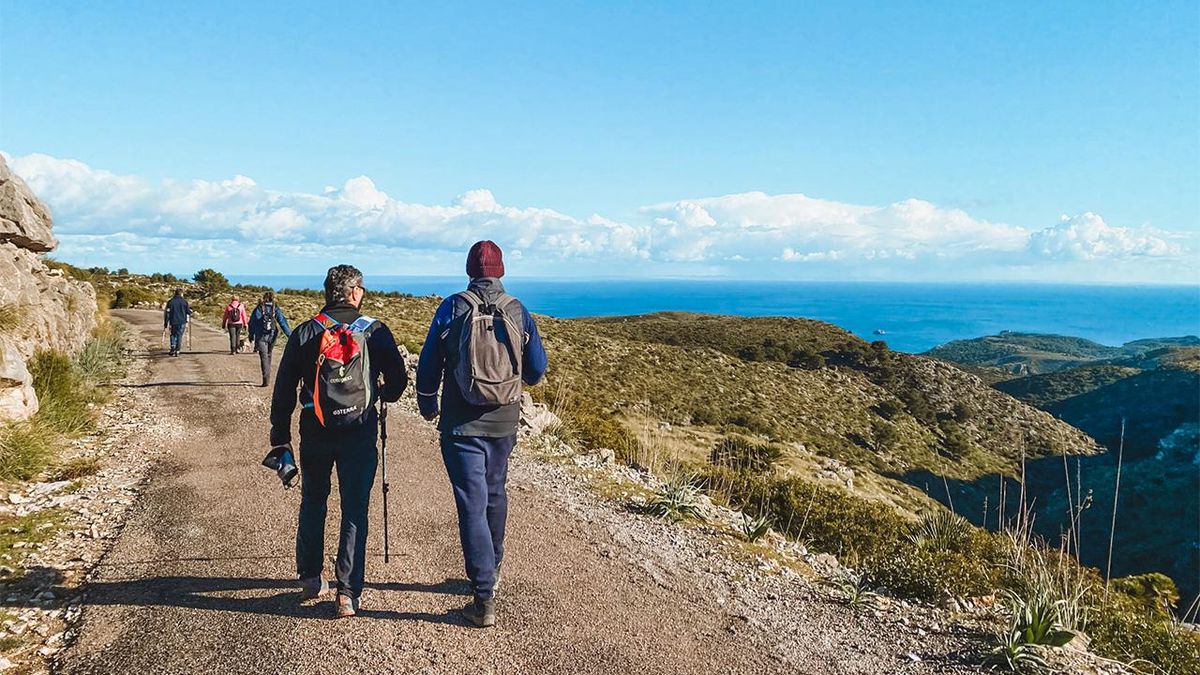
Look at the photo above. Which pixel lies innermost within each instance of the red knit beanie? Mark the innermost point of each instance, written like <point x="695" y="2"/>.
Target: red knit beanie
<point x="485" y="260"/>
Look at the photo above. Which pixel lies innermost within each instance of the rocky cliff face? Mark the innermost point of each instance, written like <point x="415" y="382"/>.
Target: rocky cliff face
<point x="40" y="308"/>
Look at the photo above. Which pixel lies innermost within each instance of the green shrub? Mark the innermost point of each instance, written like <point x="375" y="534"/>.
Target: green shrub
<point x="743" y="454"/>
<point x="835" y="521"/>
<point x="929" y="574"/>
<point x="1154" y="591"/>
<point x="211" y="280"/>
<point x="128" y="296"/>
<point x="1122" y="628"/>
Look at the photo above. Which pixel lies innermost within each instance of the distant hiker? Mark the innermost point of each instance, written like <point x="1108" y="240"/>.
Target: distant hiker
<point x="482" y="345"/>
<point x="266" y="321"/>
<point x="176" y="315"/>
<point x="336" y="359"/>
<point x="234" y="320"/>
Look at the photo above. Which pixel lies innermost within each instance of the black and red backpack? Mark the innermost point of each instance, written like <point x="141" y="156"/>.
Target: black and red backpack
<point x="342" y="388"/>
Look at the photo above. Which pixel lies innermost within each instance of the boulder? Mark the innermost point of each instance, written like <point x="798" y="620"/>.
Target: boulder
<point x="24" y="219"/>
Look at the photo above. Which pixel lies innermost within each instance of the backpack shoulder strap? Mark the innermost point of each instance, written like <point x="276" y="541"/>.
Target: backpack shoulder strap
<point x="361" y="324"/>
<point x="325" y="321"/>
<point x="475" y="300"/>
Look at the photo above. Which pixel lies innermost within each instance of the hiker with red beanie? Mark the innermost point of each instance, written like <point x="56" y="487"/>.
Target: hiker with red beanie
<point x="483" y="345"/>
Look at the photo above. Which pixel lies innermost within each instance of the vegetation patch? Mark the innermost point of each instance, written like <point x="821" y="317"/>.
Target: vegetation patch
<point x="20" y="533"/>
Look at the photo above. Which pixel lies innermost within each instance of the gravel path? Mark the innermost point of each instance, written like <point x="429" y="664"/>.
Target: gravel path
<point x="201" y="577"/>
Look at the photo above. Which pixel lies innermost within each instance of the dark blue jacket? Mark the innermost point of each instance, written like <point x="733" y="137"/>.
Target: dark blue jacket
<point x="436" y="368"/>
<point x="176" y="312"/>
<point x="258" y="324"/>
<point x="298" y="370"/>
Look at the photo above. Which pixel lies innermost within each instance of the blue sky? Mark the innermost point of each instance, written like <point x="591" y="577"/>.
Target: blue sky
<point x="1050" y="141"/>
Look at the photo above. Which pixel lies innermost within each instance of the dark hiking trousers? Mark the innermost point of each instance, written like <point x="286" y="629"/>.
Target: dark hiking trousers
<point x="355" y="460"/>
<point x="177" y="336"/>
<point x="478" y="469"/>
<point x="235" y="333"/>
<point x="265" y="345"/>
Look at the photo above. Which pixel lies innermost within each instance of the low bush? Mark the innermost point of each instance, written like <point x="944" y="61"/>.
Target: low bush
<point x="744" y="454"/>
<point x="128" y="296"/>
<point x="1122" y="628"/>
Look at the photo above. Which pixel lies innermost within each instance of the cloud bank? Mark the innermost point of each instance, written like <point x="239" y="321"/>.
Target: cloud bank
<point x="118" y="220"/>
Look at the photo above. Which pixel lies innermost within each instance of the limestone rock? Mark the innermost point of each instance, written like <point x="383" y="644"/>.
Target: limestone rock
<point x="24" y="219"/>
<point x="53" y="311"/>
<point x="17" y="398"/>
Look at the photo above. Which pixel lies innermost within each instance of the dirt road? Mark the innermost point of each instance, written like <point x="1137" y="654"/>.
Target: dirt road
<point x="201" y="579"/>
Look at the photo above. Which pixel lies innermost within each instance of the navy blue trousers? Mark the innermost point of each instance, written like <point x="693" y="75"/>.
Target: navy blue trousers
<point x="355" y="460"/>
<point x="478" y="470"/>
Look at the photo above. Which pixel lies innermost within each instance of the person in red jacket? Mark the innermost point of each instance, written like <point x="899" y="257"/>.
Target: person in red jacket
<point x="234" y="321"/>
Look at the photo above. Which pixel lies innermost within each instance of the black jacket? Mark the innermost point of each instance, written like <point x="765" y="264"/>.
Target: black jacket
<point x="298" y="369"/>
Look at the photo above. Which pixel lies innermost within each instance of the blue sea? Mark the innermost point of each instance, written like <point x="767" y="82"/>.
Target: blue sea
<point x="913" y="317"/>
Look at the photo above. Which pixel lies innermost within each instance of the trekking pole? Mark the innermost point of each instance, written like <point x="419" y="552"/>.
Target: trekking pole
<point x="383" y="467"/>
<point x="189" y="328"/>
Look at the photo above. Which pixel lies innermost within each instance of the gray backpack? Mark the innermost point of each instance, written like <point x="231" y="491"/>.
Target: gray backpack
<point x="490" y="350"/>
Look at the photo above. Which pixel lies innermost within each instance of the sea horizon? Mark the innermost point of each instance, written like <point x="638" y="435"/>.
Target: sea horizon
<point x="911" y="316"/>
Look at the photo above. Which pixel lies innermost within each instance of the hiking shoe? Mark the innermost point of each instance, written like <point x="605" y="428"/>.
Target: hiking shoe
<point x="480" y="613"/>
<point x="314" y="588"/>
<point x="345" y="607"/>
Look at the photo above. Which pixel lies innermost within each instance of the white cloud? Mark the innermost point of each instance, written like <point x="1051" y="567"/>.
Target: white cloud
<point x="1088" y="237"/>
<point x="100" y="214"/>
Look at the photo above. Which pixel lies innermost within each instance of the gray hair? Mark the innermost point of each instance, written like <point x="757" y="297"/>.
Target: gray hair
<point x="340" y="282"/>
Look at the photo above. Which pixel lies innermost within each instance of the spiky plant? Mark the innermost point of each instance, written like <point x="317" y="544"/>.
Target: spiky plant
<point x="941" y="530"/>
<point x="677" y="499"/>
<point x="755" y="528"/>
<point x="1012" y="652"/>
<point x="854" y="590"/>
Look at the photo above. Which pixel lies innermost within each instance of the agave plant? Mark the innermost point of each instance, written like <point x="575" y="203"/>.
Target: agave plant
<point x="1039" y="624"/>
<point x="854" y="590"/>
<point x="1012" y="652"/>
<point x="754" y="529"/>
<point x="677" y="499"/>
<point x="941" y="530"/>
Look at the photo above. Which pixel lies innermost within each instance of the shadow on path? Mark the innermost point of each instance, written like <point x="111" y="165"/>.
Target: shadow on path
<point x="246" y="595"/>
<point x="152" y="385"/>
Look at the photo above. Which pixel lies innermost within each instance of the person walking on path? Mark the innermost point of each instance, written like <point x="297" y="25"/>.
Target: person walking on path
<point x="233" y="321"/>
<point x="482" y="345"/>
<point x="266" y="321"/>
<point x="336" y="360"/>
<point x="176" y="315"/>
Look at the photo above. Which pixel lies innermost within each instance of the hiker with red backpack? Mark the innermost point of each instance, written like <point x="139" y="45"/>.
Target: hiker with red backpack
<point x="342" y="362"/>
<point x="483" y="345"/>
<point x="234" y="320"/>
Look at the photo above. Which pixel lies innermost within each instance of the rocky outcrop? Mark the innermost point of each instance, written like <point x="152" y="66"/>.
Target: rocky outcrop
<point x="24" y="220"/>
<point x="40" y="307"/>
